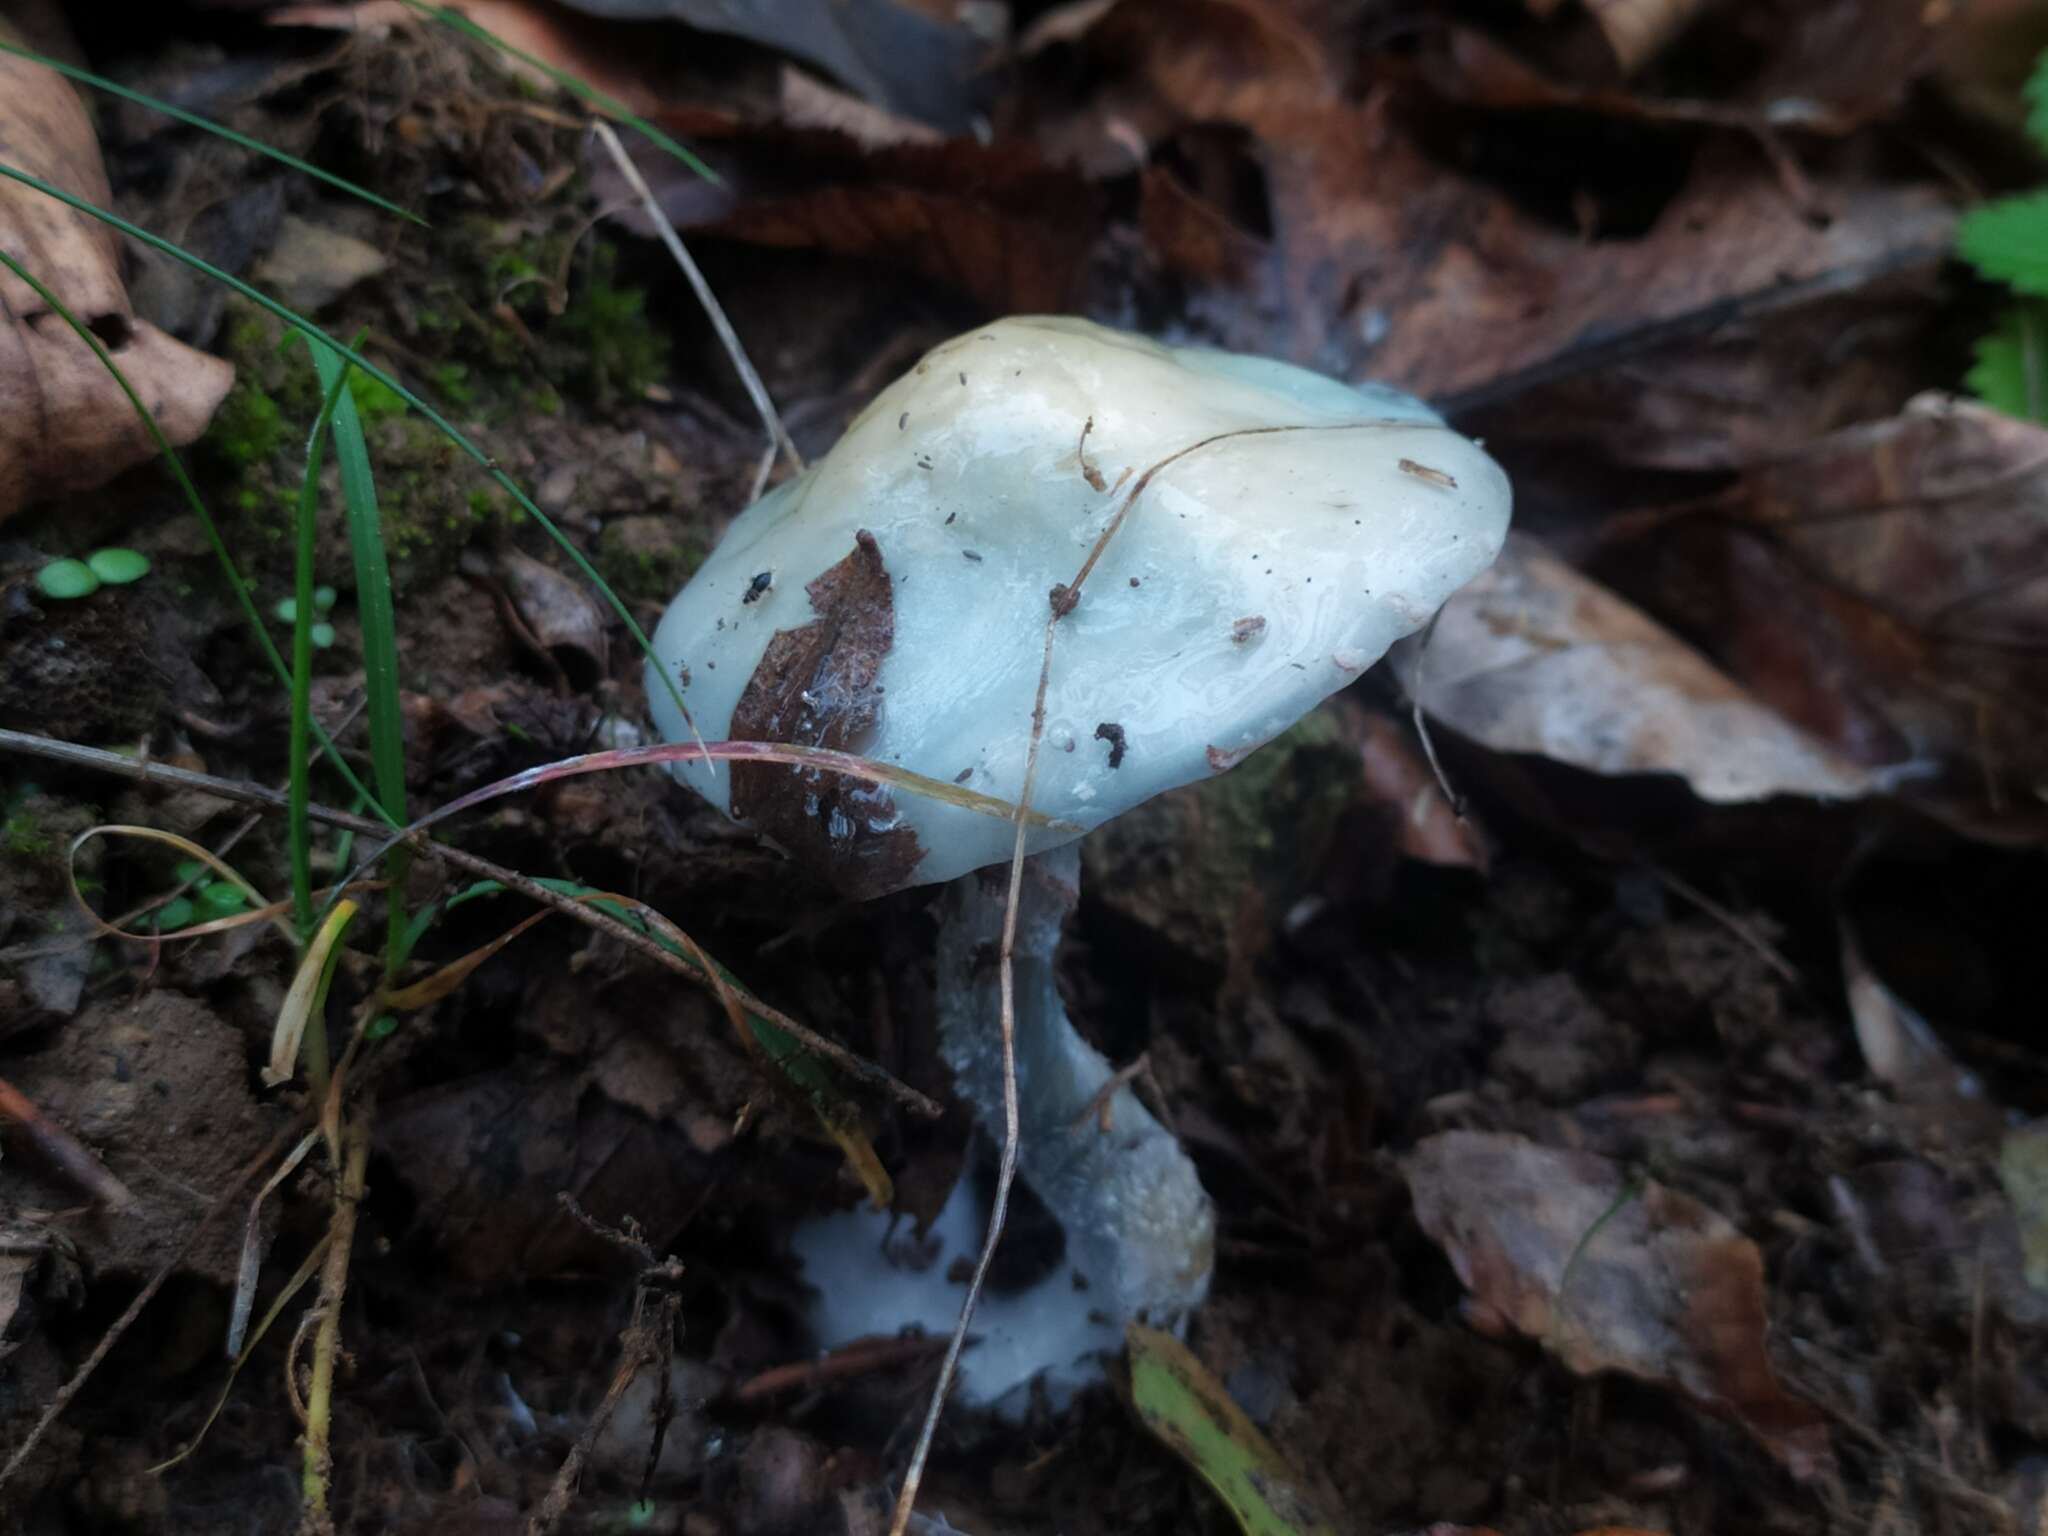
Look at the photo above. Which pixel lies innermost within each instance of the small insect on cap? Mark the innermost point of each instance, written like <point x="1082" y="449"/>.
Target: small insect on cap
<point x="1274" y="531"/>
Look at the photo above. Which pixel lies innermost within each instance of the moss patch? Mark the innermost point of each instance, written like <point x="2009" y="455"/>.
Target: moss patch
<point x="1185" y="864"/>
<point x="647" y="559"/>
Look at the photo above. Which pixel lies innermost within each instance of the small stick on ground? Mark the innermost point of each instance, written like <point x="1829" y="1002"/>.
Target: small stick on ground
<point x="860" y="1358"/>
<point x="1764" y="949"/>
<point x="857" y="1067"/>
<point x="348" y="1197"/>
<point x="1098" y="1108"/>
<point x="647" y="1340"/>
<point x="70" y="1155"/>
<point x="126" y="1320"/>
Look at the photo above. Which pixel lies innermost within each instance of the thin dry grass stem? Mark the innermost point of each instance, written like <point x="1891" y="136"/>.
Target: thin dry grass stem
<point x="861" y="1358"/>
<point x="1421" y="720"/>
<point x="1099" y="1106"/>
<point x="1062" y="601"/>
<point x="756" y="390"/>
<point x="647" y="1340"/>
<point x="1744" y="932"/>
<point x="76" y="942"/>
<point x="1006" y="1167"/>
<point x="348" y="1197"/>
<point x="857" y="1067"/>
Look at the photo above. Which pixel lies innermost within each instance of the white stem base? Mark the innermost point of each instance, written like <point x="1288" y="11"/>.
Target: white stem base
<point x="1140" y="1231"/>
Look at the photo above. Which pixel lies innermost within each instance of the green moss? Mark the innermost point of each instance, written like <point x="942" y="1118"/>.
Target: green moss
<point x="248" y="428"/>
<point x="617" y="352"/>
<point x="643" y="559"/>
<point x="375" y="400"/>
<point x="452" y="384"/>
<point x="1184" y="864"/>
<point x="23" y="836"/>
<point x="1284" y="798"/>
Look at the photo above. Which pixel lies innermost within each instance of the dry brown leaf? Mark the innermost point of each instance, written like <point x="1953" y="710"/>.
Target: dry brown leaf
<point x="561" y="614"/>
<point x="1899" y="1046"/>
<point x="908" y="57"/>
<point x="1739" y="395"/>
<point x="1825" y="66"/>
<point x="64" y="423"/>
<point x="1887" y="591"/>
<point x="993" y="221"/>
<point x="312" y="265"/>
<point x="1639" y="30"/>
<point x="1535" y="657"/>
<point x="1396" y="774"/>
<point x="639" y="71"/>
<point x="1487" y="299"/>
<point x="1660" y="1287"/>
<point x="1191" y="237"/>
<point x="1387" y="261"/>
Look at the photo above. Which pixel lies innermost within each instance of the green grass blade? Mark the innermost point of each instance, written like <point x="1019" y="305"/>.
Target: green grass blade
<point x="375" y="610"/>
<point x="299" y="788"/>
<point x="447" y="428"/>
<point x="608" y="106"/>
<point x="1179" y="1401"/>
<point x="169" y="455"/>
<point x="255" y="146"/>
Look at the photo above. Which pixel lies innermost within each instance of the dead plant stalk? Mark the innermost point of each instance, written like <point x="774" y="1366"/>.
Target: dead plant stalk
<point x="348" y="1196"/>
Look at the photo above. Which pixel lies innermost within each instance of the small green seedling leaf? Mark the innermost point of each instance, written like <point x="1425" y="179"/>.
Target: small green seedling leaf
<point x="187" y="870"/>
<point x="63" y="580"/>
<point x="117" y="567"/>
<point x="323" y="599"/>
<point x="218" y="898"/>
<point x="2036" y="93"/>
<point x="2011" y="370"/>
<point x="1186" y="1407"/>
<point x="321" y="634"/>
<point x="175" y="913"/>
<point x="286" y="610"/>
<point x="2008" y="240"/>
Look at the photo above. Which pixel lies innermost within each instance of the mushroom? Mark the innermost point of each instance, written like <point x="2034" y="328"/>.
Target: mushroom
<point x="1217" y="541"/>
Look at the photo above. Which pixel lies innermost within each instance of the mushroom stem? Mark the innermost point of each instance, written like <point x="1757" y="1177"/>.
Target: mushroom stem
<point x="1138" y="1225"/>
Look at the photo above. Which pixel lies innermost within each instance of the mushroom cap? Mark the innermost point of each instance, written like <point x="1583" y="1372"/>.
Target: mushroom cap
<point x="1283" y="529"/>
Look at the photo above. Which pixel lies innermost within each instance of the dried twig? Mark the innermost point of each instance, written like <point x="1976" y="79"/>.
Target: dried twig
<point x="348" y="1196"/>
<point x="1062" y="601"/>
<point x="221" y="1204"/>
<point x="648" y="1339"/>
<point x="756" y="390"/>
<point x="860" y="1358"/>
<point x="72" y="1157"/>
<point x="856" y="1067"/>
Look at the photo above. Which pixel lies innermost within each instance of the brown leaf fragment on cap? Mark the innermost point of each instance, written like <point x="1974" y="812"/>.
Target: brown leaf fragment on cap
<point x="815" y="686"/>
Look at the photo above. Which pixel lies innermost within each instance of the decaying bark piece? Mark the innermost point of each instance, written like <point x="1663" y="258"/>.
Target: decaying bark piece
<point x="64" y="423"/>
